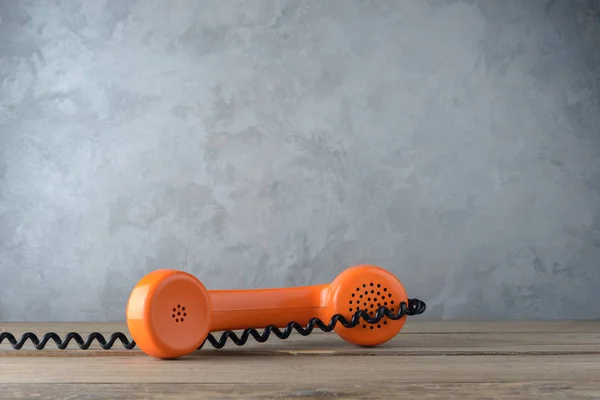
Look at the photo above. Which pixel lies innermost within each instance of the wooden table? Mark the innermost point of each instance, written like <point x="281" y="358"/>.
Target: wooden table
<point x="427" y="360"/>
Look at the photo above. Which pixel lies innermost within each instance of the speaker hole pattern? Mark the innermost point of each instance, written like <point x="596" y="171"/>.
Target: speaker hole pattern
<point x="369" y="298"/>
<point x="179" y="313"/>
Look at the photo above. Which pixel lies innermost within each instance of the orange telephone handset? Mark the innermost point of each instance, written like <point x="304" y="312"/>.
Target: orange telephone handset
<point x="170" y="313"/>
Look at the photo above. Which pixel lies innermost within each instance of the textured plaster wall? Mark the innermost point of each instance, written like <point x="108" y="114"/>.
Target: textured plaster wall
<point x="275" y="143"/>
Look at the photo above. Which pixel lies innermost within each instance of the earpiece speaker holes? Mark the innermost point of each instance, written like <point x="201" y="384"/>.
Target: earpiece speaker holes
<point x="179" y="313"/>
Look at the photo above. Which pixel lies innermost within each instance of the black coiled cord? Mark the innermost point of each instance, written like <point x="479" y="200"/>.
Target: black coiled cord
<point x="414" y="307"/>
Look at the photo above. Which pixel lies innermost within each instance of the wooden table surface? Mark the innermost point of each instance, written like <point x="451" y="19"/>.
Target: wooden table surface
<point x="427" y="360"/>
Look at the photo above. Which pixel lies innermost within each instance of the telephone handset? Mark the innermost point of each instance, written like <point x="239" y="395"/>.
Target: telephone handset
<point x="170" y="313"/>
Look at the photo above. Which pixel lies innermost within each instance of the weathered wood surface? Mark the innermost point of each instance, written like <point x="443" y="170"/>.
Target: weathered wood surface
<point x="445" y="360"/>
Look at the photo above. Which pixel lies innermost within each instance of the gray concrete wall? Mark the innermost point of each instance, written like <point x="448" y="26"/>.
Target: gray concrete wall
<point x="275" y="143"/>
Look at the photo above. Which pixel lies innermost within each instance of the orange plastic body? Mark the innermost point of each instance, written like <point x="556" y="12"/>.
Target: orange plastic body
<point x="170" y="312"/>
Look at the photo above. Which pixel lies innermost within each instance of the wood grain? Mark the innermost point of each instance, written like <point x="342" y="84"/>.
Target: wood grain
<point x="445" y="360"/>
<point x="543" y="390"/>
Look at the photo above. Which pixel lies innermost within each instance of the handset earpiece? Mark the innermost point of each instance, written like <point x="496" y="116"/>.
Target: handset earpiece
<point x="170" y="313"/>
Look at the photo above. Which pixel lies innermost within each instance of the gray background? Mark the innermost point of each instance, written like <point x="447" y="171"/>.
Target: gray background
<point x="275" y="143"/>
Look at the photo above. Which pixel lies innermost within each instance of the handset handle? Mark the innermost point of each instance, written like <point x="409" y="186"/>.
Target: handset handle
<point x="259" y="308"/>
